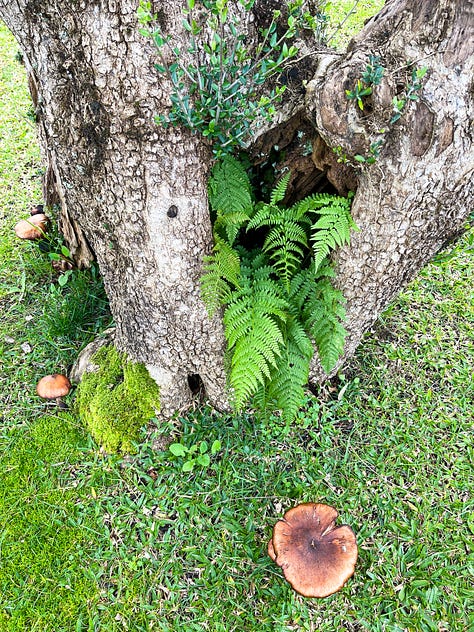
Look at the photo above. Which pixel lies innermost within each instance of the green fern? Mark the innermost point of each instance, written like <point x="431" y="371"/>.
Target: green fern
<point x="252" y="323"/>
<point x="279" y="191"/>
<point x="221" y="276"/>
<point x="285" y="390"/>
<point x="230" y="197"/>
<point x="332" y="229"/>
<point x="286" y="242"/>
<point x="323" y="316"/>
<point x="279" y="301"/>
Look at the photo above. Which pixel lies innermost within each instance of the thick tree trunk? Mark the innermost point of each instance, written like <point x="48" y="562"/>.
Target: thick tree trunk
<point x="134" y="194"/>
<point x="418" y="195"/>
<point x="138" y="192"/>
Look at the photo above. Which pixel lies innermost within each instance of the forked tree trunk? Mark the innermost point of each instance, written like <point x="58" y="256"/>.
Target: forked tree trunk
<point x="134" y="194"/>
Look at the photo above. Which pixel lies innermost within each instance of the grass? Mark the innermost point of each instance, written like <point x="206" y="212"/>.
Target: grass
<point x="347" y="17"/>
<point x="90" y="542"/>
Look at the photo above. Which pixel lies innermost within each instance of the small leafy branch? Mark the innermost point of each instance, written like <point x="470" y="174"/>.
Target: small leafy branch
<point x="412" y="93"/>
<point x="372" y="77"/>
<point x="278" y="299"/>
<point x="218" y="81"/>
<point x="197" y="455"/>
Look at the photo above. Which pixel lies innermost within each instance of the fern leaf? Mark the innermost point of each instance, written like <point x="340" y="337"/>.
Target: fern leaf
<point x="228" y="226"/>
<point x="229" y="188"/>
<point x="323" y="317"/>
<point x="277" y="307"/>
<point x="243" y="314"/>
<point x="253" y="328"/>
<point x="332" y="229"/>
<point x="286" y="244"/>
<point x="317" y="201"/>
<point x="221" y="276"/>
<point x="265" y="215"/>
<point x="285" y="391"/>
<point x="279" y="191"/>
<point x="252" y="359"/>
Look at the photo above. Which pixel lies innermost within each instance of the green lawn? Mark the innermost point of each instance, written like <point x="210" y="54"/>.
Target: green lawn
<point x="90" y="542"/>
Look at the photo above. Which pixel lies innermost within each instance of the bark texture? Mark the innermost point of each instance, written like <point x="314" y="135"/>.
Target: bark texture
<point x="134" y="195"/>
<point x="138" y="192"/>
<point x="418" y="195"/>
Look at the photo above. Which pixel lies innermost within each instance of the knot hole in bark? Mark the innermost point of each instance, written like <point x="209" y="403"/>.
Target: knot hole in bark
<point x="196" y="385"/>
<point x="172" y="211"/>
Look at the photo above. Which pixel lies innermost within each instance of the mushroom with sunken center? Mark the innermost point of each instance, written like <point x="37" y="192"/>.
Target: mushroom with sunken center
<point x="317" y="557"/>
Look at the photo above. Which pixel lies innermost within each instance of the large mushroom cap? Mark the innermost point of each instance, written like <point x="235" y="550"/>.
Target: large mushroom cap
<point x="32" y="228"/>
<point x="317" y="557"/>
<point x="53" y="386"/>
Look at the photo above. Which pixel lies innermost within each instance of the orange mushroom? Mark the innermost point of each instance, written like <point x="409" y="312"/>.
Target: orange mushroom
<point x="317" y="557"/>
<point x="32" y="228"/>
<point x="53" y="386"/>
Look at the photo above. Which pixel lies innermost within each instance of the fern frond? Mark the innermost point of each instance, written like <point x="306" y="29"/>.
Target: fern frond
<point x="323" y="316"/>
<point x="264" y="215"/>
<point x="229" y="188"/>
<point x="301" y="287"/>
<point x="285" y="391"/>
<point x="253" y="328"/>
<point x="221" y="276"/>
<point x="277" y="308"/>
<point x="279" y="191"/>
<point x="313" y="203"/>
<point x="332" y="229"/>
<point x="286" y="244"/>
<point x="228" y="226"/>
<point x="244" y="311"/>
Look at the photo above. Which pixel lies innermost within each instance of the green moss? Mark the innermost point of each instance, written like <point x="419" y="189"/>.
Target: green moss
<point x="116" y="401"/>
<point x="57" y="438"/>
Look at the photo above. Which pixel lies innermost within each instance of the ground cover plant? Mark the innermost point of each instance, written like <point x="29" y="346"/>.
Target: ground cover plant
<point x="90" y="542"/>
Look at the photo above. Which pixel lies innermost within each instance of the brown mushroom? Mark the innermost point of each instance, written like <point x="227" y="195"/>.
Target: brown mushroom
<point x="37" y="209"/>
<point x="61" y="265"/>
<point x="32" y="228"/>
<point x="53" y="386"/>
<point x="317" y="557"/>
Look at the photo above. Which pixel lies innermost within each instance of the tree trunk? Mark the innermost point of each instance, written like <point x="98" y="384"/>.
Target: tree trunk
<point x="138" y="192"/>
<point x="134" y="194"/>
<point x="418" y="195"/>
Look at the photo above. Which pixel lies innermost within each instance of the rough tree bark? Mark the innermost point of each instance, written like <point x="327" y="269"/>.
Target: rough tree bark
<point x="417" y="197"/>
<point x="134" y="195"/>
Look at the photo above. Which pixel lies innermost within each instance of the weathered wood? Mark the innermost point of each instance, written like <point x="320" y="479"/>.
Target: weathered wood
<point x="419" y="194"/>
<point x="137" y="191"/>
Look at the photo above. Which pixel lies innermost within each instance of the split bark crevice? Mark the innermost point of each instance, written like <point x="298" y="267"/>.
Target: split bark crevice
<point x="135" y="195"/>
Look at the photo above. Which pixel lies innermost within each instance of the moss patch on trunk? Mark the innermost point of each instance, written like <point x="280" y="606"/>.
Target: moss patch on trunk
<point x="117" y="400"/>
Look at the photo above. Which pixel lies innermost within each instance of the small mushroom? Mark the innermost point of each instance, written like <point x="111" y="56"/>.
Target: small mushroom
<point x="62" y="265"/>
<point x="37" y="209"/>
<point x="32" y="228"/>
<point x="317" y="557"/>
<point x="54" y="386"/>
